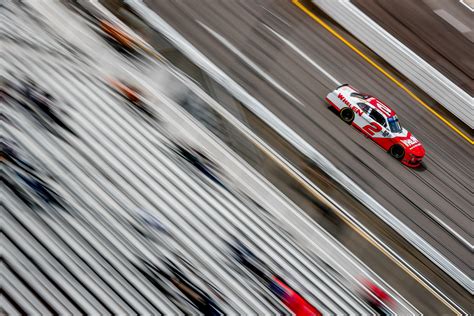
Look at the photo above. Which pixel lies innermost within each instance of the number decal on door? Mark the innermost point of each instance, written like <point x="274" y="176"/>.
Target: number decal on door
<point x="385" y="109"/>
<point x="372" y="128"/>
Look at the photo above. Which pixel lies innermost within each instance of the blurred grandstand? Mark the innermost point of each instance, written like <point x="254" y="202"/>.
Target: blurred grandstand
<point x="105" y="211"/>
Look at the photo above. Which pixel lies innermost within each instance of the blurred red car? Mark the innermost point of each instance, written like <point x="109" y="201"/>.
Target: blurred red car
<point x="378" y="299"/>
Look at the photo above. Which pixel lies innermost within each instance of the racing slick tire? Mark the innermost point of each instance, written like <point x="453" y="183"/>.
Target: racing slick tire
<point x="347" y="115"/>
<point x="397" y="152"/>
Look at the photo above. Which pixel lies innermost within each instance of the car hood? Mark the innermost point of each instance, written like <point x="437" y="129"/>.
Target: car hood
<point x="418" y="151"/>
<point x="411" y="144"/>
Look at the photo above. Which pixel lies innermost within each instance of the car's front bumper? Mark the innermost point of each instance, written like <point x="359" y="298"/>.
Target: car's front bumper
<point x="412" y="162"/>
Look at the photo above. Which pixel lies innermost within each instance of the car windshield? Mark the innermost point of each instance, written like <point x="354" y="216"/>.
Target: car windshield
<point x="394" y="124"/>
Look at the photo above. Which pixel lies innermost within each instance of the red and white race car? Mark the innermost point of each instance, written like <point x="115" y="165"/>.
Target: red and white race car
<point x="378" y="121"/>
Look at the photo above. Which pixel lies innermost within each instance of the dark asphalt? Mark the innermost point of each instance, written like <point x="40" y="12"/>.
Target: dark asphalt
<point x="416" y="25"/>
<point x="444" y="188"/>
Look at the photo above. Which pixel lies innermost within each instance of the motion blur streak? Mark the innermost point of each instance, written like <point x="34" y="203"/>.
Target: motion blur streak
<point x="255" y="67"/>
<point x="117" y="202"/>
<point x="302" y="54"/>
<point x="236" y="23"/>
<point x="452" y="231"/>
<point x="383" y="71"/>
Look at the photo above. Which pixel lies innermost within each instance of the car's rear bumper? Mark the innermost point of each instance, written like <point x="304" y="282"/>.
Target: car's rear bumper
<point x="332" y="104"/>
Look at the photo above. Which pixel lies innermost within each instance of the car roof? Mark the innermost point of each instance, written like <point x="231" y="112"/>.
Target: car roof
<point x="373" y="102"/>
<point x="382" y="108"/>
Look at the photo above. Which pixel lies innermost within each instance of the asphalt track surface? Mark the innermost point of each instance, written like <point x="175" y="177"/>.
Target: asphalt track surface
<point x="277" y="75"/>
<point x="427" y="34"/>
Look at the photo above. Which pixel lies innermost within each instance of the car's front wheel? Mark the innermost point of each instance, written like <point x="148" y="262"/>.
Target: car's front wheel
<point x="397" y="152"/>
<point x="347" y="115"/>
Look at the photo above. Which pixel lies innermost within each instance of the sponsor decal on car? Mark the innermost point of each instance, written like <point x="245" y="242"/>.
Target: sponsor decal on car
<point x="349" y="104"/>
<point x="410" y="142"/>
<point x="372" y="128"/>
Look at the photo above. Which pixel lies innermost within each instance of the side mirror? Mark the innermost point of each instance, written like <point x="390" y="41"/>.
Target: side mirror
<point x="385" y="133"/>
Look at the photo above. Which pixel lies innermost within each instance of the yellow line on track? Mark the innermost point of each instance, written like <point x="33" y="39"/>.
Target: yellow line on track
<point x="379" y="68"/>
<point x="357" y="229"/>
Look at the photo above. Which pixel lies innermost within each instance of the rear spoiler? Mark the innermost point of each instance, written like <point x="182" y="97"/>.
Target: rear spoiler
<point x="347" y="85"/>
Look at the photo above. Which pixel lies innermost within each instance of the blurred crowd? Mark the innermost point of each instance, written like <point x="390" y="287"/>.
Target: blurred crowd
<point x="182" y="283"/>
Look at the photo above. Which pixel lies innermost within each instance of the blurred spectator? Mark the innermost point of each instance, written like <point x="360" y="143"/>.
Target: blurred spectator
<point x="150" y="220"/>
<point x="41" y="188"/>
<point x="117" y="38"/>
<point x="193" y="294"/>
<point x="377" y="298"/>
<point x="246" y="257"/>
<point x="128" y="91"/>
<point x="288" y="296"/>
<point x="8" y="153"/>
<point x="133" y="95"/>
<point x="200" y="161"/>
<point x="17" y="190"/>
<point x="295" y="302"/>
<point x="43" y="101"/>
<point x="200" y="299"/>
<point x="18" y="167"/>
<point x="25" y="183"/>
<point x="4" y="118"/>
<point x="144" y="218"/>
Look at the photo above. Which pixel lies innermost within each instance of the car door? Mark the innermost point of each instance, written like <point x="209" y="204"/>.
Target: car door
<point x="376" y="126"/>
<point x="379" y="130"/>
<point x="359" y="119"/>
<point x="366" y="122"/>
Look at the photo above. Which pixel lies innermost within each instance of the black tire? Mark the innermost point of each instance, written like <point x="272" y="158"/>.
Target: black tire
<point x="347" y="115"/>
<point x="397" y="152"/>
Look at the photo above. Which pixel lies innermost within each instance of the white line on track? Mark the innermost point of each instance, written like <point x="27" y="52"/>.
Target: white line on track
<point x="452" y="231"/>
<point x="205" y="63"/>
<point x="302" y="54"/>
<point x="247" y="60"/>
<point x="276" y="16"/>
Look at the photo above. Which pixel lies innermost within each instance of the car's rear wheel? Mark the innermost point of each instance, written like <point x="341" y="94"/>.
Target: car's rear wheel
<point x="347" y="115"/>
<point x="397" y="152"/>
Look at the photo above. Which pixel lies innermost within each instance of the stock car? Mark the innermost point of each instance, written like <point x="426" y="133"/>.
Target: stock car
<point x="378" y="122"/>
